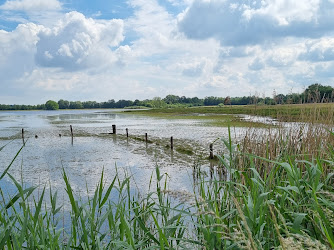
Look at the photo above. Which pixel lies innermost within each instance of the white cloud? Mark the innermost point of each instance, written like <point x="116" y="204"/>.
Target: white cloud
<point x="256" y="64"/>
<point x="285" y="55"/>
<point x="124" y="55"/>
<point x="235" y="23"/>
<point x="18" y="48"/>
<point x="286" y="11"/>
<point x="319" y="50"/>
<point x="31" y="5"/>
<point x="194" y="70"/>
<point x="77" y="42"/>
<point x="225" y="48"/>
<point x="153" y="25"/>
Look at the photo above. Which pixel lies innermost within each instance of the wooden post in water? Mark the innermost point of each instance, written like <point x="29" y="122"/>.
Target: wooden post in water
<point x="211" y="151"/>
<point x="171" y="143"/>
<point x="23" y="135"/>
<point x="114" y="129"/>
<point x="71" y="130"/>
<point x="146" y="137"/>
<point x="127" y="132"/>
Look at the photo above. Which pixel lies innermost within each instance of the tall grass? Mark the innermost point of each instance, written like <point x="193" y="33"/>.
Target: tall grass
<point x="270" y="198"/>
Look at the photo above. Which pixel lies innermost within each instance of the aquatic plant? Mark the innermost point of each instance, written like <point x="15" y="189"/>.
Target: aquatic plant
<point x="264" y="201"/>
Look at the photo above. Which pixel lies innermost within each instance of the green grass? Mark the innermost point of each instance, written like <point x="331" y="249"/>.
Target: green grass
<point x="281" y="202"/>
<point x="294" y="112"/>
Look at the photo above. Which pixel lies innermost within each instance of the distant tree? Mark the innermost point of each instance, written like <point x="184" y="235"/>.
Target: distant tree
<point x="280" y="99"/>
<point x="136" y="103"/>
<point x="51" y="105"/>
<point x="269" y="101"/>
<point x="240" y="100"/>
<point x="63" y="104"/>
<point x="318" y="93"/>
<point x="184" y="99"/>
<point x="123" y="103"/>
<point x="90" y="105"/>
<point x="227" y="100"/>
<point x="157" y="102"/>
<point x="40" y="106"/>
<point x="211" y="100"/>
<point x="196" y="101"/>
<point x="76" y="105"/>
<point x="172" y="99"/>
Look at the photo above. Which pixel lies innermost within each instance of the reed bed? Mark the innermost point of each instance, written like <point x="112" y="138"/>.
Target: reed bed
<point x="276" y="193"/>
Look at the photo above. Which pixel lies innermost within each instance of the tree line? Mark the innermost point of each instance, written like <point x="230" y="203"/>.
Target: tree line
<point x="315" y="93"/>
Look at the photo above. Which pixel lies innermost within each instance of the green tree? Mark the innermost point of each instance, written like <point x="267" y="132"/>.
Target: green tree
<point x="318" y="93"/>
<point x="51" y="105"/>
<point x="157" y="102"/>
<point x="63" y="104"/>
<point x="171" y="99"/>
<point x="76" y="105"/>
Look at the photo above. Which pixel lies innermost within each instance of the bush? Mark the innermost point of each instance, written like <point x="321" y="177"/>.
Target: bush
<point x="51" y="105"/>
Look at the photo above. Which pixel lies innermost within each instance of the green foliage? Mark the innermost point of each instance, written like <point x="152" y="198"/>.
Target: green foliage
<point x="318" y="93"/>
<point x="157" y="102"/>
<point x="51" y="105"/>
<point x="315" y="93"/>
<point x="288" y="204"/>
<point x="63" y="104"/>
<point x="211" y="100"/>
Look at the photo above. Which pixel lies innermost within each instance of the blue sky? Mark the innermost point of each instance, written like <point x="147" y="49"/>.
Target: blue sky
<point x="138" y="49"/>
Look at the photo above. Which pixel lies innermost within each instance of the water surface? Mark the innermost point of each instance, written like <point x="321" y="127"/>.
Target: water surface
<point x="93" y="149"/>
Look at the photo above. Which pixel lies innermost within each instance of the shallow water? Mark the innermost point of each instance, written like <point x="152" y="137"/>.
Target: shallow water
<point x="93" y="149"/>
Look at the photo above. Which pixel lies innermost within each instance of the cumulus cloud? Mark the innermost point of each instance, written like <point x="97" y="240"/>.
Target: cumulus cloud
<point x="228" y="52"/>
<point x="77" y="42"/>
<point x="194" y="70"/>
<point x="124" y="55"/>
<point x="225" y="47"/>
<point x="285" y="11"/>
<point x="284" y="56"/>
<point x="319" y="50"/>
<point x="18" y="48"/>
<point x="31" y="5"/>
<point x="256" y="64"/>
<point x="235" y="23"/>
<point x="324" y="70"/>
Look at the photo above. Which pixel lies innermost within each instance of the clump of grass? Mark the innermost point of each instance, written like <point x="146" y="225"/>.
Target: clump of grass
<point x="128" y="221"/>
<point x="184" y="150"/>
<point x="141" y="139"/>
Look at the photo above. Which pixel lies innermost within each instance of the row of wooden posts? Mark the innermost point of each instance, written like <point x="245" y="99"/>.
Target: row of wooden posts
<point x="127" y="135"/>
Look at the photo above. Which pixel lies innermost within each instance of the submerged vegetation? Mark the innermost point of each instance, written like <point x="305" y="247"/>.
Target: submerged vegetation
<point x="272" y="191"/>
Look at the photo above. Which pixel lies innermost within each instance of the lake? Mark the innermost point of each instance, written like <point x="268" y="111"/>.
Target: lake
<point x="42" y="159"/>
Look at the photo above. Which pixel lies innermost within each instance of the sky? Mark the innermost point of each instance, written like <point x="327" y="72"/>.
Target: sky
<point x="138" y="49"/>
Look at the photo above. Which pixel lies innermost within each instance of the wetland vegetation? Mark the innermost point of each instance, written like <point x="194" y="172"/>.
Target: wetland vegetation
<point x="271" y="190"/>
<point x="315" y="93"/>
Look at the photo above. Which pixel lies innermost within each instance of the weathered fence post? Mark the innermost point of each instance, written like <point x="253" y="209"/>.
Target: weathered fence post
<point x="146" y="137"/>
<point x="211" y="151"/>
<point x="171" y="143"/>
<point x="71" y="130"/>
<point x="114" y="129"/>
<point x="23" y="135"/>
<point x="127" y="132"/>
